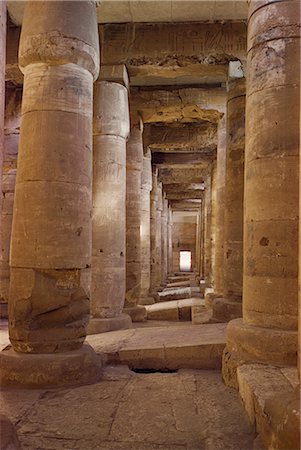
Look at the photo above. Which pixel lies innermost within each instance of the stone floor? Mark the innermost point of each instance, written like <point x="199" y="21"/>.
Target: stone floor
<point x="176" y="310"/>
<point x="189" y="410"/>
<point x="190" y="346"/>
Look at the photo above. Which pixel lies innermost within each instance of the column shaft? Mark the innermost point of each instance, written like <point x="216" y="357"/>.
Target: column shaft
<point x="207" y="232"/>
<point x="164" y="219"/>
<point x="134" y="166"/>
<point x="268" y="331"/>
<point x="146" y="187"/>
<point x="230" y="307"/>
<point x="51" y="255"/>
<point x="111" y="128"/>
<point x="220" y="209"/>
<point x="2" y="88"/>
<point x="170" y="228"/>
<point x="156" y="206"/>
<point x="11" y="140"/>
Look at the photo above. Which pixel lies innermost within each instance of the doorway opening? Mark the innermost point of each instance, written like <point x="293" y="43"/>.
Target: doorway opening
<point x="185" y="261"/>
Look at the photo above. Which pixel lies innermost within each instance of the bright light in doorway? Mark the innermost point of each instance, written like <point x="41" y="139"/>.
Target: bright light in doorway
<point x="185" y="261"/>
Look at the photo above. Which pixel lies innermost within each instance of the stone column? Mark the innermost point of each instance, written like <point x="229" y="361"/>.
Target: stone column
<point x="111" y="128"/>
<point x="268" y="331"/>
<point x="169" y="251"/>
<point x="2" y="88"/>
<point x="156" y="206"/>
<point x="134" y="165"/>
<point x="207" y="232"/>
<point x="230" y="306"/>
<point x="13" y="97"/>
<point x="213" y="221"/>
<point x="164" y="218"/>
<point x="220" y="209"/>
<point x="146" y="187"/>
<point x="52" y="229"/>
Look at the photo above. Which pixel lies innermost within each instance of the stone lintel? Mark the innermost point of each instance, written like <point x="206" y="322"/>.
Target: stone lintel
<point x="184" y="137"/>
<point x="170" y="159"/>
<point x="180" y="105"/>
<point x="154" y="43"/>
<point x="182" y="175"/>
<point x="181" y="195"/>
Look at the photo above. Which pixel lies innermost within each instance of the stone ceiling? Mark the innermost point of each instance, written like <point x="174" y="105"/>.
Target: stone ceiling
<point x="120" y="11"/>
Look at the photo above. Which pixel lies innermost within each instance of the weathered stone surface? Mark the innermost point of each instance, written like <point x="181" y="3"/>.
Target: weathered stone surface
<point x="111" y="128"/>
<point x="193" y="400"/>
<point x="137" y="313"/>
<point x="2" y="89"/>
<point x="21" y="370"/>
<point x="134" y="166"/>
<point x="154" y="54"/>
<point x="155" y="230"/>
<point x="179" y="105"/>
<point x="51" y="255"/>
<point x="173" y="294"/>
<point x="197" y="137"/>
<point x="250" y="344"/>
<point x="145" y="248"/>
<point x="182" y="346"/>
<point x="13" y="97"/>
<point x="8" y="435"/>
<point x="233" y="232"/>
<point x="103" y="325"/>
<point x="272" y="405"/>
<point x="173" y="310"/>
<point x="220" y="208"/>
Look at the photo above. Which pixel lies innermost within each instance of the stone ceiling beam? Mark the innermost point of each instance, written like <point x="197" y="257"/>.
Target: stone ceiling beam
<point x="179" y="105"/>
<point x="170" y="188"/>
<point x="183" y="159"/>
<point x="163" y="50"/>
<point x="201" y="137"/>
<point x="179" y="175"/>
<point x="183" y="195"/>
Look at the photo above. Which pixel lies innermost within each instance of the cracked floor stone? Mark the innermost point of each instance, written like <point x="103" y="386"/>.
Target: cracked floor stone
<point x="189" y="410"/>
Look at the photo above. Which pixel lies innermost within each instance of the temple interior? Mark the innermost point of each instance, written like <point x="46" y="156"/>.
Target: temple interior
<point x="149" y="213"/>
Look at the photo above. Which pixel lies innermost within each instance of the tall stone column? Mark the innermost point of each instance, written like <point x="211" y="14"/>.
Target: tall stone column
<point x="213" y="221"/>
<point x="220" y="209"/>
<point x="268" y="331"/>
<point x="207" y="231"/>
<point x="111" y="129"/>
<point x="145" y="238"/>
<point x="134" y="165"/>
<point x="2" y="88"/>
<point x="156" y="207"/>
<point x="52" y="229"/>
<point x="13" y="97"/>
<point x="230" y="306"/>
<point x="169" y="250"/>
<point x="164" y="219"/>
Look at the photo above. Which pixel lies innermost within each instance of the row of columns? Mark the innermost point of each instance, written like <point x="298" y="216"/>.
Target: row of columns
<point x="81" y="233"/>
<point x="256" y="235"/>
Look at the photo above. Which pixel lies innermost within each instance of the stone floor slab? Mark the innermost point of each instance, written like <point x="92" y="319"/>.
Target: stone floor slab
<point x="189" y="410"/>
<point x="161" y="348"/>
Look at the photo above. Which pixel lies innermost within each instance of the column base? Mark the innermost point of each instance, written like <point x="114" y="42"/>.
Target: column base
<point x="137" y="313"/>
<point x="32" y="370"/>
<point x="249" y="344"/>
<point x="225" y="310"/>
<point x="147" y="300"/>
<point x="103" y="325"/>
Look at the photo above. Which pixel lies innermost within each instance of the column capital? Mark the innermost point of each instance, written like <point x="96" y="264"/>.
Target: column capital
<point x="115" y="73"/>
